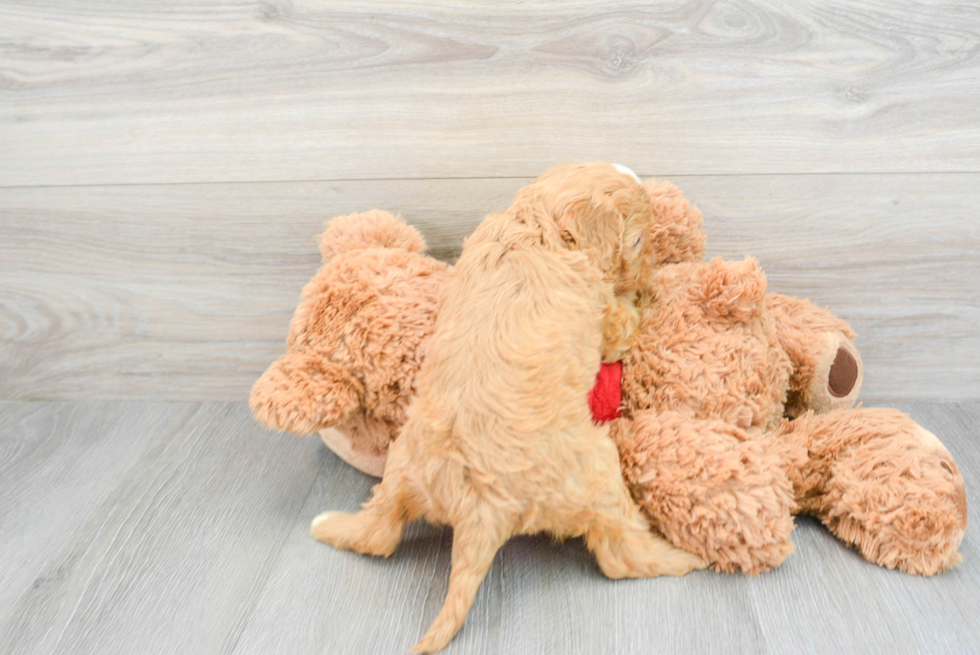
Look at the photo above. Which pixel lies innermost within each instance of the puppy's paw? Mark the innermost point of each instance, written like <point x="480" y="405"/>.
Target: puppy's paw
<point x="684" y="563"/>
<point x="329" y="527"/>
<point x="621" y="320"/>
<point x="363" y="532"/>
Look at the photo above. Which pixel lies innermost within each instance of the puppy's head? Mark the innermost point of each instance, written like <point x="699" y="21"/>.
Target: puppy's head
<point x="602" y="210"/>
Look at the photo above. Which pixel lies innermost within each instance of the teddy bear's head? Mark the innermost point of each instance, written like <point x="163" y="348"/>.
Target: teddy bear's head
<point x="713" y="338"/>
<point x="356" y="339"/>
<point x="707" y="348"/>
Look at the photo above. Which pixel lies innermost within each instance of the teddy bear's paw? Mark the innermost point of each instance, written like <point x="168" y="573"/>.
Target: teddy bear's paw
<point x="837" y="374"/>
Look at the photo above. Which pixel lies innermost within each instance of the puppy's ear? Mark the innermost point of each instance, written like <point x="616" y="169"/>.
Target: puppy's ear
<point x="606" y="223"/>
<point x="594" y="224"/>
<point x="633" y="203"/>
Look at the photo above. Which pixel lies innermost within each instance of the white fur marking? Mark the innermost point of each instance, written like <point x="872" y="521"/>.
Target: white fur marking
<point x="627" y="171"/>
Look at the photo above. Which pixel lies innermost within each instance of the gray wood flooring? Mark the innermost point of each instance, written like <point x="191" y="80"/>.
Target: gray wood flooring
<point x="165" y="167"/>
<point x="141" y="527"/>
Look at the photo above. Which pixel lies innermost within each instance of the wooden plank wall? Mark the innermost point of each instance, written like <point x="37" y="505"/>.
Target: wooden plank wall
<point x="165" y="168"/>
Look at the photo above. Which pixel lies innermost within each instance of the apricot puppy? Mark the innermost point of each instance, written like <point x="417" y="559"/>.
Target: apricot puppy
<point x="499" y="440"/>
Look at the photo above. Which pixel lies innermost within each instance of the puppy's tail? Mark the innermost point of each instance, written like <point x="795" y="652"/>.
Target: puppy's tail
<point x="475" y="542"/>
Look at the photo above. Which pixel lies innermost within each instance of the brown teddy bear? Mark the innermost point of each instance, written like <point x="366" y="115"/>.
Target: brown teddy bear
<point x="356" y="340"/>
<point x="737" y="412"/>
<point x="735" y="402"/>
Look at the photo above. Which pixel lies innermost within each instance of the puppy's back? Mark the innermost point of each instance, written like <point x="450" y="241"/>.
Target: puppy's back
<point x="517" y="337"/>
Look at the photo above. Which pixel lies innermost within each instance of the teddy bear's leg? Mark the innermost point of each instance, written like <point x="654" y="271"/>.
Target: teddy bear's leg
<point x="369" y="460"/>
<point x="884" y="484"/>
<point x="710" y="488"/>
<point x="303" y="392"/>
<point x="827" y="368"/>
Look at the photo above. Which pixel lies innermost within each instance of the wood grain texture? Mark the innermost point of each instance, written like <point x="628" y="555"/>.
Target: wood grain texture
<point x="539" y="597"/>
<point x="106" y="92"/>
<point x="174" y="556"/>
<point x="545" y="598"/>
<point x="194" y="537"/>
<point x="827" y="599"/>
<point x="49" y="453"/>
<point x="185" y="292"/>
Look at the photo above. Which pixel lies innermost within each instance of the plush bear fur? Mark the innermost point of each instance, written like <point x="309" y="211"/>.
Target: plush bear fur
<point x="356" y="340"/>
<point x="717" y="371"/>
<point x="736" y="402"/>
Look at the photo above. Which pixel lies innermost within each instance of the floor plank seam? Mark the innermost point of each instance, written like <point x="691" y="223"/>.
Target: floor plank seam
<point x="442" y="178"/>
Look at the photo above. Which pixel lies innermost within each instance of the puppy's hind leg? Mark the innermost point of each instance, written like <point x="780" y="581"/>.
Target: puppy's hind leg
<point x="625" y="547"/>
<point x="622" y="541"/>
<point x="475" y="542"/>
<point x="377" y="528"/>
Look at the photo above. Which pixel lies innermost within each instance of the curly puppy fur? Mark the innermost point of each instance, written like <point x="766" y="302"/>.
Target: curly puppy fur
<point x="499" y="440"/>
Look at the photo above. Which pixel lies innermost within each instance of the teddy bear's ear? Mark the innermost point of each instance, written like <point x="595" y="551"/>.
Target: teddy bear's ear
<point x="372" y="229"/>
<point x="302" y="392"/>
<point x="677" y="235"/>
<point x="731" y="290"/>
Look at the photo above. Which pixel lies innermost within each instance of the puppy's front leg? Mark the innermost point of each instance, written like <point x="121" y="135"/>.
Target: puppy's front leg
<point x="620" y="322"/>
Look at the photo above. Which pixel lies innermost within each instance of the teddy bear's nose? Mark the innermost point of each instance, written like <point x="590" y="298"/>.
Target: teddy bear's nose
<point x="843" y="373"/>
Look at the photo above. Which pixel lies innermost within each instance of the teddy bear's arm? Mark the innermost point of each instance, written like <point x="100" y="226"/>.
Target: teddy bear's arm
<point x="827" y="368"/>
<point x="709" y="487"/>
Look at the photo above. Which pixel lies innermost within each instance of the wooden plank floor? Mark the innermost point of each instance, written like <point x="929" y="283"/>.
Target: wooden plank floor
<point x="164" y="169"/>
<point x="139" y="527"/>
